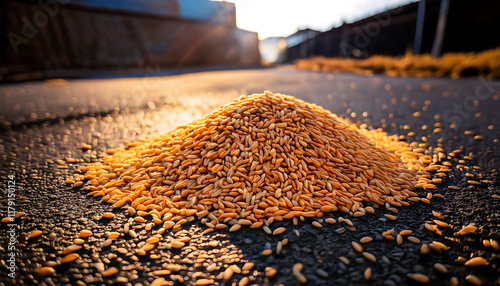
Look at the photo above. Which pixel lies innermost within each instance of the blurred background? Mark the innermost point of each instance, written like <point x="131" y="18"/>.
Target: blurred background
<point x="80" y="77"/>
<point x="75" y="38"/>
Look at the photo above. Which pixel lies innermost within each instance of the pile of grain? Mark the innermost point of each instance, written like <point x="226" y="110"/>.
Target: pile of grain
<point x="261" y="158"/>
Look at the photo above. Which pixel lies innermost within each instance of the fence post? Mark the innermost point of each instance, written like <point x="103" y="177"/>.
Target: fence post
<point x="417" y="44"/>
<point x="441" y="26"/>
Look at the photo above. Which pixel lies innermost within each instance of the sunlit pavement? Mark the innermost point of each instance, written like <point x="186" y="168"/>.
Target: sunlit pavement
<point x="50" y="120"/>
<point x="51" y="99"/>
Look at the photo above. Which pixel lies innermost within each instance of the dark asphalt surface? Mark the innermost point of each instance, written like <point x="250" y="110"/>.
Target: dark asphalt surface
<point x="44" y="121"/>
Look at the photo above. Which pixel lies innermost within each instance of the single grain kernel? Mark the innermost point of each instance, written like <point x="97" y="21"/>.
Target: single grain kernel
<point x="244" y="281"/>
<point x="267" y="252"/>
<point x="247" y="266"/>
<point x="110" y="271"/>
<point x="200" y="282"/>
<point x="177" y="244"/>
<point x="106" y="243"/>
<point x="344" y="260"/>
<point x="399" y="239"/>
<point x="405" y="232"/>
<point x="425" y="249"/>
<point x="368" y="273"/>
<point x="35" y="233"/>
<point x="476" y="261"/>
<point x="70" y="257"/>
<point x="235" y="227"/>
<point x="390" y="217"/>
<point x="467" y="229"/>
<point x="441" y="223"/>
<point x="366" y="239"/>
<point x="19" y="214"/>
<point x="440" y="268"/>
<point x="317" y="224"/>
<point x="113" y="235"/>
<point x="71" y="248"/>
<point x="79" y="241"/>
<point x="494" y="244"/>
<point x="132" y="233"/>
<point x="357" y="247"/>
<point x="330" y="220"/>
<point x="270" y="272"/>
<point x="279" y="230"/>
<point x="420" y="278"/>
<point x="85" y="233"/>
<point x="44" y="271"/>
<point x="279" y="247"/>
<point x="486" y="243"/>
<point x="108" y="215"/>
<point x="296" y="271"/>
<point x="413" y="239"/>
<point x="473" y="279"/>
<point x="370" y="257"/>
<point x="139" y="219"/>
<point x="228" y="273"/>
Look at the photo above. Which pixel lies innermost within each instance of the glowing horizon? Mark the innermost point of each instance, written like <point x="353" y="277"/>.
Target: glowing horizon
<point x="280" y="18"/>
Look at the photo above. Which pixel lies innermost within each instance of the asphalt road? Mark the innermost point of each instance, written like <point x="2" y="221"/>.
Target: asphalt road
<point x="46" y="121"/>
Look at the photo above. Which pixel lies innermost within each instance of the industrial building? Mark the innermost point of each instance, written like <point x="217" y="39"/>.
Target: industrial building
<point x="50" y="38"/>
<point x="467" y="27"/>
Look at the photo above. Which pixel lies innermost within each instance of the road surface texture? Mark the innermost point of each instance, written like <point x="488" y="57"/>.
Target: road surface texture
<point x="42" y="122"/>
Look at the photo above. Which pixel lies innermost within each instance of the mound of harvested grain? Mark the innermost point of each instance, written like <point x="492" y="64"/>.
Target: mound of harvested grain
<point x="265" y="156"/>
